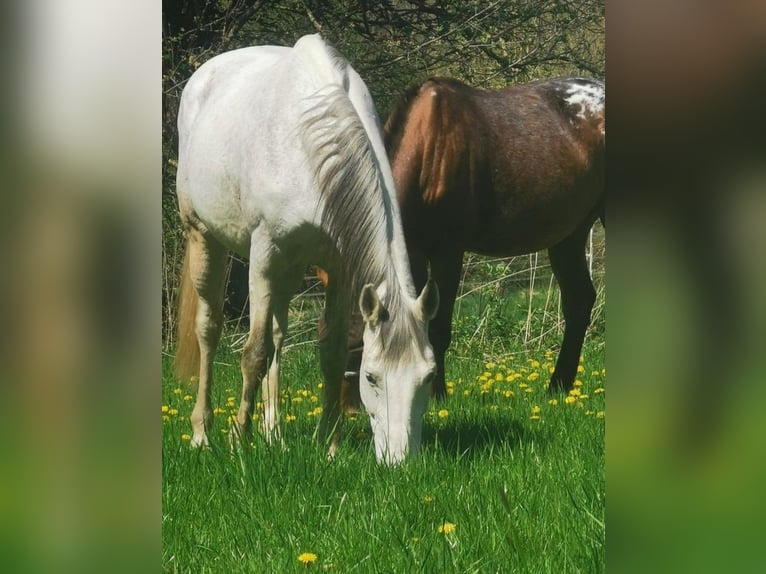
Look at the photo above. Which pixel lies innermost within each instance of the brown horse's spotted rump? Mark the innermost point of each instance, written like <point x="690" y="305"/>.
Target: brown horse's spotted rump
<point x="501" y="172"/>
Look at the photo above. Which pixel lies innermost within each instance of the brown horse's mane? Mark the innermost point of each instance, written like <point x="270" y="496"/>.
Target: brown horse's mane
<point x="393" y="130"/>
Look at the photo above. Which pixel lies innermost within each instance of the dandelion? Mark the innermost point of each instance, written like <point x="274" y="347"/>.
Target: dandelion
<point x="165" y="409"/>
<point x="185" y="437"/>
<point x="218" y="411"/>
<point x="580" y="369"/>
<point x="589" y="413"/>
<point x="165" y="418"/>
<point x="534" y="364"/>
<point x="307" y="558"/>
<point x="428" y="499"/>
<point x="570" y="399"/>
<point x="320" y="386"/>
<point x="499" y="377"/>
<point x="187" y="398"/>
<point x="489" y="366"/>
<point x="466" y="393"/>
<point x="535" y="417"/>
<point x="173" y="412"/>
<point x="582" y="397"/>
<point x="533" y="376"/>
<point x="600" y="415"/>
<point x="443" y="414"/>
<point x="535" y="410"/>
<point x="553" y="402"/>
<point x="177" y="391"/>
<point x="447" y="528"/>
<point x="508" y="394"/>
<point x="297" y="399"/>
<point x="523" y="386"/>
<point x="314" y="398"/>
<point x="576" y="392"/>
<point x="289" y="418"/>
<point x="598" y="391"/>
<point x="578" y="383"/>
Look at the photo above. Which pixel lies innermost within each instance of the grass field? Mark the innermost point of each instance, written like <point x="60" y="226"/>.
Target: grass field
<point x="509" y="479"/>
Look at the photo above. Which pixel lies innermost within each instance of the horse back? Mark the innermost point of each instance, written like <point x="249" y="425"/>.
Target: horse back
<point x="498" y="171"/>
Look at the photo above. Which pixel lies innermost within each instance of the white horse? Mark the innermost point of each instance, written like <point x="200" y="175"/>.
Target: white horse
<point x="281" y="159"/>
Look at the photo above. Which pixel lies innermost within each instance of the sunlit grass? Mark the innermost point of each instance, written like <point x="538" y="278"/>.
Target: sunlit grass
<point x="510" y="478"/>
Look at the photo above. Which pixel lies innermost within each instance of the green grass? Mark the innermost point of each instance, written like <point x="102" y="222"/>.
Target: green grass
<point x="524" y="495"/>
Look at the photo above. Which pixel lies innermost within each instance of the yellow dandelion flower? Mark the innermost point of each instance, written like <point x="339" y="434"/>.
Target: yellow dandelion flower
<point x="551" y="370"/>
<point x="533" y="376"/>
<point x="165" y="418"/>
<point x="307" y="558"/>
<point x="467" y="393"/>
<point x="489" y="366"/>
<point x="314" y="398"/>
<point x="535" y="410"/>
<point x="534" y="363"/>
<point x="553" y="402"/>
<point x="185" y="437"/>
<point x="450" y="391"/>
<point x="320" y="386"/>
<point x="428" y="499"/>
<point x="450" y="384"/>
<point x="178" y="391"/>
<point x="598" y="391"/>
<point x="570" y="399"/>
<point x="187" y="398"/>
<point x="588" y="413"/>
<point x="289" y="418"/>
<point x="218" y="411"/>
<point x="499" y="376"/>
<point x="576" y="392"/>
<point x="297" y="399"/>
<point x="600" y="415"/>
<point x="256" y="416"/>
<point x="523" y="385"/>
<point x="508" y="394"/>
<point x="535" y="417"/>
<point x="443" y="414"/>
<point x="447" y="528"/>
<point x="172" y="412"/>
<point x="594" y="373"/>
<point x="582" y="397"/>
<point x="580" y="369"/>
<point x="165" y="409"/>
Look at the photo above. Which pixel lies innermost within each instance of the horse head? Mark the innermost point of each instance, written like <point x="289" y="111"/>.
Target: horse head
<point x="397" y="368"/>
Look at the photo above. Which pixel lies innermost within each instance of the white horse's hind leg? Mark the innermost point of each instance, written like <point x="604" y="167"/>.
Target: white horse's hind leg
<point x="207" y="273"/>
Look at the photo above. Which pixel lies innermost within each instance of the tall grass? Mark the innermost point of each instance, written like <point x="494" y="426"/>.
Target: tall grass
<point x="506" y="481"/>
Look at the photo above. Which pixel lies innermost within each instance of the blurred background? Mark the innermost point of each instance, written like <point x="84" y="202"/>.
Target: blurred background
<point x="92" y="90"/>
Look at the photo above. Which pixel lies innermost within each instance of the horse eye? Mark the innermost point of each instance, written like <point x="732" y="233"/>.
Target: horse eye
<point x="372" y="379"/>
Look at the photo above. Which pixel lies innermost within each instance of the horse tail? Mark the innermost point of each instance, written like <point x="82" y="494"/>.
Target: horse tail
<point x="187" y="348"/>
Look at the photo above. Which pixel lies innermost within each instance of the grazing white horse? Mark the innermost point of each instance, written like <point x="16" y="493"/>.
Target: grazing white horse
<point x="281" y="160"/>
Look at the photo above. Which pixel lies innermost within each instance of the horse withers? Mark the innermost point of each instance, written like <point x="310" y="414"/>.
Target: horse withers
<point x="501" y="172"/>
<point x="281" y="160"/>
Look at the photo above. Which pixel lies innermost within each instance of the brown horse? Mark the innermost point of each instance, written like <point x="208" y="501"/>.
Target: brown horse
<point x="500" y="172"/>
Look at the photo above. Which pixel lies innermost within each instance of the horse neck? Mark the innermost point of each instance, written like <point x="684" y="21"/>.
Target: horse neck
<point x="395" y="268"/>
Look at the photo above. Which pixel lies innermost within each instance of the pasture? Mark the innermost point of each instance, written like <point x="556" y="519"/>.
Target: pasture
<point x="509" y="479"/>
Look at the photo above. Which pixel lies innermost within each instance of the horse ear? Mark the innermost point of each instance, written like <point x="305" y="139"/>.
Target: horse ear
<point x="373" y="311"/>
<point x="429" y="300"/>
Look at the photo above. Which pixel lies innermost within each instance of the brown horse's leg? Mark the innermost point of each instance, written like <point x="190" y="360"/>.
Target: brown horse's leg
<point x="332" y="358"/>
<point x="577" y="298"/>
<point x="207" y="260"/>
<point x="445" y="270"/>
<point x="349" y="387"/>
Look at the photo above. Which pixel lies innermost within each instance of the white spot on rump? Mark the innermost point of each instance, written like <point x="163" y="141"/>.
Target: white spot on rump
<point x="589" y="98"/>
